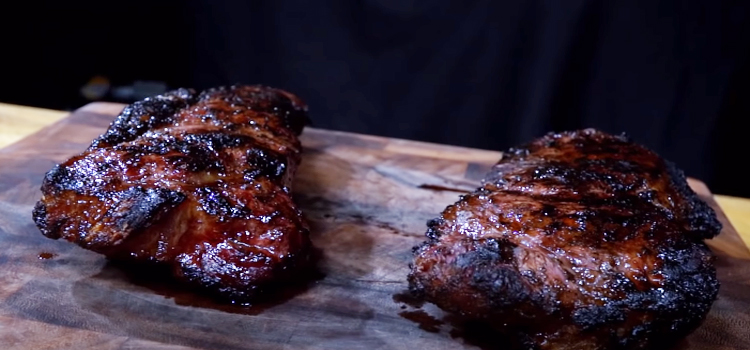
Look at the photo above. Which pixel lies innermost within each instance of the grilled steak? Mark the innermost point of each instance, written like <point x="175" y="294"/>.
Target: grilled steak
<point x="577" y="240"/>
<point x="199" y="183"/>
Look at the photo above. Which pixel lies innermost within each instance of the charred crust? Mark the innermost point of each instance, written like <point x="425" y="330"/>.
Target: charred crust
<point x="701" y="217"/>
<point x="264" y="163"/>
<point x="268" y="278"/>
<point x="43" y="221"/>
<point x="138" y="207"/>
<point x="497" y="277"/>
<point x="291" y="110"/>
<point x="502" y="286"/>
<point x="193" y="144"/>
<point x="200" y="277"/>
<point x="494" y="273"/>
<point x="142" y="116"/>
<point x="433" y="228"/>
<point x="63" y="178"/>
<point x="590" y="317"/>
<point x="60" y="179"/>
<point x="39" y="214"/>
<point x="421" y="246"/>
<point x="215" y="203"/>
<point x="214" y="141"/>
<point x="415" y="288"/>
<point x="681" y="303"/>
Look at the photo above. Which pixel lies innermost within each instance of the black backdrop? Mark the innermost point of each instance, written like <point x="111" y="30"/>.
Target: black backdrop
<point x="488" y="74"/>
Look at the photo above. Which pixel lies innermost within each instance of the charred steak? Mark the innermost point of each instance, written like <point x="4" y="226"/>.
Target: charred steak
<point x="197" y="182"/>
<point x="577" y="240"/>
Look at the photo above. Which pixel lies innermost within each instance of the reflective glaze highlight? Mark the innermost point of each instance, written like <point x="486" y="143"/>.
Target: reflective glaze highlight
<point x="200" y="182"/>
<point x="577" y="240"/>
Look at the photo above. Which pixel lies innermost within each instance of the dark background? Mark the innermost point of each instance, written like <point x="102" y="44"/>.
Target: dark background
<point x="488" y="74"/>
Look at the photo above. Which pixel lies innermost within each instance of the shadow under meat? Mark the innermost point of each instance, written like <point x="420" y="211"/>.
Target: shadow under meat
<point x="472" y="332"/>
<point x="478" y="333"/>
<point x="159" y="280"/>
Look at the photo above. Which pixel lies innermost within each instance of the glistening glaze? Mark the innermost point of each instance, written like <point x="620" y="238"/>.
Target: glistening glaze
<point x="197" y="182"/>
<point x="577" y="240"/>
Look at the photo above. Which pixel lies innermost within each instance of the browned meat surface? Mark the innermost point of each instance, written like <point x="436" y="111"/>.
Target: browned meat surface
<point x="578" y="240"/>
<point x="196" y="182"/>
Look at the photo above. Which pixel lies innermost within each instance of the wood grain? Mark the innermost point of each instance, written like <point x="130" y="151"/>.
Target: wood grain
<point x="367" y="204"/>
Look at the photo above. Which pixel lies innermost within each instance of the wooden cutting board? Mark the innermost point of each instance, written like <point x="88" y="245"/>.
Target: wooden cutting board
<point x="367" y="199"/>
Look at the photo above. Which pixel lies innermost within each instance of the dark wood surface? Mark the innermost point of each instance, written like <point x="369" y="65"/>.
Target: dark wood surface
<point x="367" y="199"/>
